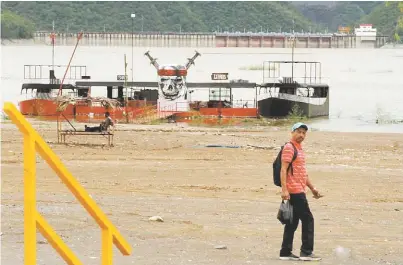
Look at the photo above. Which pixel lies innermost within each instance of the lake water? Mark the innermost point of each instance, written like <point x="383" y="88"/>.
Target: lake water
<point x="365" y="84"/>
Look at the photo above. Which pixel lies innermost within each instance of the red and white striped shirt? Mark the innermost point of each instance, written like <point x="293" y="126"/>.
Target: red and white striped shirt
<point x="296" y="182"/>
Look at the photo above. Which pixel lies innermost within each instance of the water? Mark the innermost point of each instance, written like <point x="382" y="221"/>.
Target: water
<point x="366" y="85"/>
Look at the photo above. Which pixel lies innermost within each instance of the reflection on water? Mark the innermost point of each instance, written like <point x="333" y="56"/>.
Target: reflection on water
<point x="366" y="85"/>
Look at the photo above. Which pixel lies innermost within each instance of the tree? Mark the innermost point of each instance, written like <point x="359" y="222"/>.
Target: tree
<point x="14" y="26"/>
<point x="399" y="22"/>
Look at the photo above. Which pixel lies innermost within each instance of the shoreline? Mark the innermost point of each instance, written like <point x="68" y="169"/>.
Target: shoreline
<point x="250" y="126"/>
<point x="185" y="127"/>
<point x="72" y="42"/>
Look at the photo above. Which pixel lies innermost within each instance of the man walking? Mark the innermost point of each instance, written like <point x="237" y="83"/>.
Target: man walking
<point x="294" y="179"/>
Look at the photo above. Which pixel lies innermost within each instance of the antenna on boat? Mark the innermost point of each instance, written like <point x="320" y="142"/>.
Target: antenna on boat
<point x="53" y="45"/>
<point x="125" y="85"/>
<point x="293" y="39"/>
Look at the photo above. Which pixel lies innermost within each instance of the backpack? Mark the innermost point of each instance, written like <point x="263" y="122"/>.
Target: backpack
<point x="277" y="165"/>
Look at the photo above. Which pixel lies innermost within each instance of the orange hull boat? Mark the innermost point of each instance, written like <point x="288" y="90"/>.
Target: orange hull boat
<point x="82" y="112"/>
<point x="44" y="108"/>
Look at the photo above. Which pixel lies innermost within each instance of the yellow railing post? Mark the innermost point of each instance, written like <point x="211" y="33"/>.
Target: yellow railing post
<point x="107" y="244"/>
<point x="34" y="143"/>
<point x="29" y="199"/>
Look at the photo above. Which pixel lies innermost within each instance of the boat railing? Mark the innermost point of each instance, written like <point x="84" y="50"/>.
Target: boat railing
<point x="293" y="71"/>
<point x="42" y="71"/>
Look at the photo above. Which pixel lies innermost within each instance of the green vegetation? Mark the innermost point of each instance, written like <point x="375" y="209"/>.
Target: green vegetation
<point x="161" y="16"/>
<point x="4" y="117"/>
<point x="398" y="33"/>
<point x="296" y="114"/>
<point x="14" y="26"/>
<point x="385" y="18"/>
<point x="335" y="14"/>
<point x="20" y="19"/>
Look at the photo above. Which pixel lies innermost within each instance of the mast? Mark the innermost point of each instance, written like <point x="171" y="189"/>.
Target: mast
<point x="52" y="40"/>
<point x="53" y="45"/>
<point x="68" y="66"/>
<point x="125" y="85"/>
<point x="292" y="57"/>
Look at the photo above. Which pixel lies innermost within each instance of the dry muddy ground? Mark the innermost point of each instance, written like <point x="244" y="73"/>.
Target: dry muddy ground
<point x="208" y="196"/>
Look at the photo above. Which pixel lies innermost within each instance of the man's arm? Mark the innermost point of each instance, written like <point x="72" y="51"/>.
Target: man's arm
<point x="285" y="195"/>
<point x="309" y="183"/>
<point x="286" y="158"/>
<point x="315" y="192"/>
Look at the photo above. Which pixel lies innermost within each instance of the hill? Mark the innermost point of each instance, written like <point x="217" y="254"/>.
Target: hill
<point x="162" y="16"/>
<point x="334" y="14"/>
<point x="14" y="26"/>
<point x="385" y="19"/>
<point x="20" y="19"/>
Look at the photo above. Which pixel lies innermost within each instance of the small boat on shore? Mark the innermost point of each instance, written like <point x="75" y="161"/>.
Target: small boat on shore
<point x="304" y="95"/>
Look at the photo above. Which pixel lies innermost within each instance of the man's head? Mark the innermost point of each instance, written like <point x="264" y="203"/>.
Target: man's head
<point x="107" y="114"/>
<point x="298" y="132"/>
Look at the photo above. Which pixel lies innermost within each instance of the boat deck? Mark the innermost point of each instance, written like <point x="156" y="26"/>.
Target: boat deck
<point x="147" y="84"/>
<point x="155" y="84"/>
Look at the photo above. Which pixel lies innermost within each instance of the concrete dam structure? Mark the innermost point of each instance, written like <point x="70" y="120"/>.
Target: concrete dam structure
<point x="211" y="40"/>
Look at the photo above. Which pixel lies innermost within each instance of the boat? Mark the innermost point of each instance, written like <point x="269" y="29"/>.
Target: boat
<point x="300" y="95"/>
<point x="170" y="95"/>
<point x="307" y="96"/>
<point x="52" y="99"/>
<point x="40" y="99"/>
<point x="73" y="100"/>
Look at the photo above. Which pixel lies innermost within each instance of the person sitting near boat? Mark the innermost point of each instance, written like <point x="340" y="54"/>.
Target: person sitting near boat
<point x="104" y="126"/>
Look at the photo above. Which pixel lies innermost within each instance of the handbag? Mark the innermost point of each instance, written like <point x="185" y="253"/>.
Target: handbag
<point x="285" y="213"/>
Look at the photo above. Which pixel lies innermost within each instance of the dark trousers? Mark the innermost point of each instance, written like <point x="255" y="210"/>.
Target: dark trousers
<point x="301" y="212"/>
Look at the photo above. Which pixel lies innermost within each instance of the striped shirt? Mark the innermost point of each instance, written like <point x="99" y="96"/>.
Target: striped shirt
<point x="296" y="182"/>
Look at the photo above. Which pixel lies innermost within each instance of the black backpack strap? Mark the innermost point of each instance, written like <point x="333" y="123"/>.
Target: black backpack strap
<point x="295" y="152"/>
<point x="294" y="157"/>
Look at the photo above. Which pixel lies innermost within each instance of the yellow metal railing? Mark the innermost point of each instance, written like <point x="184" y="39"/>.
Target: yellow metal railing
<point x="33" y="143"/>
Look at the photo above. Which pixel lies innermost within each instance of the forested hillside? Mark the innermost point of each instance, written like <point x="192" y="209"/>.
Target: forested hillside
<point x="386" y="17"/>
<point x="335" y="14"/>
<point x="14" y="26"/>
<point x="20" y="19"/>
<point x="161" y="16"/>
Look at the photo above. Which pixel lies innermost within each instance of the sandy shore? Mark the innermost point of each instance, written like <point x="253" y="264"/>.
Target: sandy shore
<point x="209" y="196"/>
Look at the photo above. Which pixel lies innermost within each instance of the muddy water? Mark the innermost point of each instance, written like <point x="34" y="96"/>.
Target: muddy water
<point x="366" y="85"/>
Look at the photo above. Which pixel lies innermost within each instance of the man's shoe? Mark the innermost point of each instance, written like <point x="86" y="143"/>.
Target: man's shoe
<point x="311" y="257"/>
<point x="289" y="257"/>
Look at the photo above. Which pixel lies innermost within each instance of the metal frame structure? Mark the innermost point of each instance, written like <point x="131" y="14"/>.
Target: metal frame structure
<point x="272" y="70"/>
<point x="34" y="71"/>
